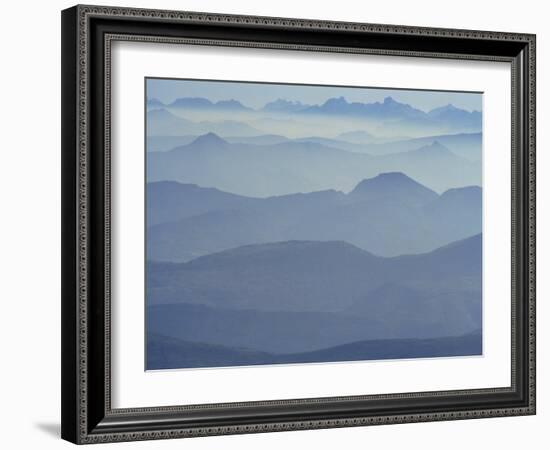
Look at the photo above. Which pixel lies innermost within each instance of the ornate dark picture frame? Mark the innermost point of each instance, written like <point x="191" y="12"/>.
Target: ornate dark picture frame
<point x="87" y="34"/>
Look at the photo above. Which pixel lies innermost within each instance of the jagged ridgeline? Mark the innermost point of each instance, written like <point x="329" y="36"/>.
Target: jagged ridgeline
<point x="296" y="224"/>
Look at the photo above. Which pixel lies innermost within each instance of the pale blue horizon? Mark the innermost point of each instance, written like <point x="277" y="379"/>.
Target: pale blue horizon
<point x="256" y="95"/>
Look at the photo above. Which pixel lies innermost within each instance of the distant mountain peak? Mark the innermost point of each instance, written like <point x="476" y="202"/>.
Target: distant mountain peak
<point x="437" y="144"/>
<point x="192" y="102"/>
<point x="160" y="114"/>
<point x="451" y="111"/>
<point x="284" y="105"/>
<point x="211" y="139"/>
<point x="449" y="107"/>
<point x="389" y="107"/>
<point x="231" y="104"/>
<point x="434" y="149"/>
<point x="384" y="178"/>
<point x="154" y="102"/>
<point x="336" y="101"/>
<point x="395" y="185"/>
<point x="204" y="103"/>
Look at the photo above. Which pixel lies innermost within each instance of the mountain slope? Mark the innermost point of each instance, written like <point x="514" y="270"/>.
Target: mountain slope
<point x="457" y="211"/>
<point x="389" y="108"/>
<point x="168" y="201"/>
<point x="166" y="353"/>
<point x="465" y="145"/>
<point x="199" y="103"/>
<point x="296" y="297"/>
<point x="285" y="276"/>
<point x="389" y="215"/>
<point x="162" y="122"/>
<point x="284" y="106"/>
<point x="263" y="170"/>
<point x="393" y="185"/>
<point x="309" y="275"/>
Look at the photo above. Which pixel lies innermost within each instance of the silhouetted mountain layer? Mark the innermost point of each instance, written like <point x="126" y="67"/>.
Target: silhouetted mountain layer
<point x="394" y="186"/>
<point x="316" y="276"/>
<point x="161" y="122"/>
<point x="154" y="103"/>
<point x="296" y="297"/>
<point x="388" y="215"/>
<point x="388" y="109"/>
<point x="465" y="145"/>
<point x="165" y="143"/>
<point x="382" y="316"/>
<point x="205" y="104"/>
<point x="166" y="353"/>
<point x="284" y="106"/>
<point x="390" y="112"/>
<point x="270" y="264"/>
<point x="263" y="170"/>
<point x="169" y="201"/>
<point x="339" y="106"/>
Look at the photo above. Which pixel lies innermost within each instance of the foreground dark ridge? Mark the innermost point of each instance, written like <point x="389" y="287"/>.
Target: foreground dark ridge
<point x="169" y="353"/>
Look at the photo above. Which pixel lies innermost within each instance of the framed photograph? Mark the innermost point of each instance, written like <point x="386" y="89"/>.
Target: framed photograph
<point x="279" y="224"/>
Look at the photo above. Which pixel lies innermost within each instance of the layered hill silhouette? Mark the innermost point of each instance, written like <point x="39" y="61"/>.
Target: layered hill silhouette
<point x="296" y="232"/>
<point x="168" y="201"/>
<point x="205" y="104"/>
<point x="465" y="145"/>
<point x="262" y="170"/>
<point x="306" y="296"/>
<point x="308" y="275"/>
<point x="394" y="186"/>
<point x="166" y="353"/>
<point x="389" y="110"/>
<point x="390" y="214"/>
<point x="162" y="122"/>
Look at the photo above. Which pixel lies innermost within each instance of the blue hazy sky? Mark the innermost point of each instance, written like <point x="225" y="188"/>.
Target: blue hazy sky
<point x="256" y="95"/>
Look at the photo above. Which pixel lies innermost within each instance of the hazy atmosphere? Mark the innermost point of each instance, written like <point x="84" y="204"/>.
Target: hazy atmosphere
<point x="296" y="224"/>
<point x="169" y="90"/>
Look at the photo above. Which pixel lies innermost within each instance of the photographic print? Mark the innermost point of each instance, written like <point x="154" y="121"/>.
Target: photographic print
<point x="294" y="224"/>
<point x="255" y="209"/>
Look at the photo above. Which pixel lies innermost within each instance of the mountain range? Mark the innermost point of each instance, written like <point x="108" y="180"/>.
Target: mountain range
<point x="296" y="232"/>
<point x="390" y="214"/>
<point x="203" y="103"/>
<point x="161" y="122"/>
<point x="388" y="108"/>
<point x="307" y="275"/>
<point x="386" y="117"/>
<point x="401" y="115"/>
<point x="264" y="170"/>
<point x="166" y="352"/>
<point x="304" y="296"/>
<point x="465" y="145"/>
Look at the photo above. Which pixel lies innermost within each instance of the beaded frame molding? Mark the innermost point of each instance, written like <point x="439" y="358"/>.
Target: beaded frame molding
<point x="87" y="35"/>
